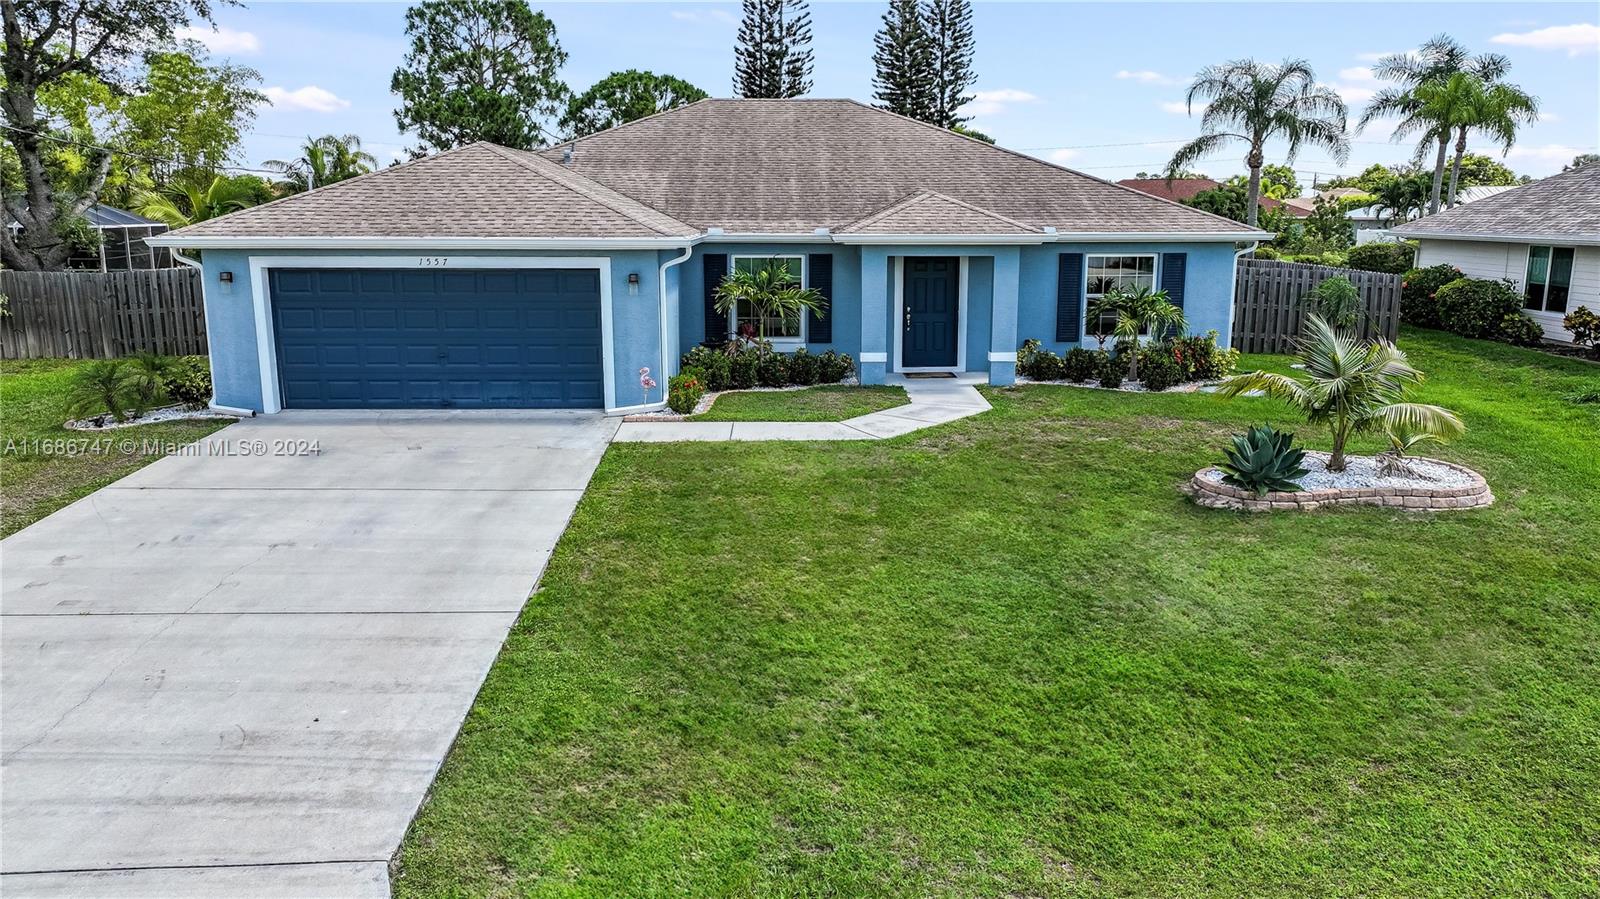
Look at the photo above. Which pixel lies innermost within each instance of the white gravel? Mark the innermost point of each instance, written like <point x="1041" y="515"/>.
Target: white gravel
<point x="1362" y="471"/>
<point x="165" y="413"/>
<point x="1127" y="386"/>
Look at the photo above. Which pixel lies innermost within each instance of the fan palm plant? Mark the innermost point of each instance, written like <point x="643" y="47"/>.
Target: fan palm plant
<point x="1253" y="102"/>
<point x="1143" y="311"/>
<point x="1352" y="385"/>
<point x="771" y="291"/>
<point x="323" y="160"/>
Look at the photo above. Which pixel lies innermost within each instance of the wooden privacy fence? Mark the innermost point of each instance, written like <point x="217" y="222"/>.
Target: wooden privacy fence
<point x="100" y="315"/>
<point x="1271" y="299"/>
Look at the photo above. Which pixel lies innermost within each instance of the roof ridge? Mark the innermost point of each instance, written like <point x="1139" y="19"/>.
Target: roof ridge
<point x="921" y="195"/>
<point x="337" y="184"/>
<point x="657" y="114"/>
<point x="589" y="188"/>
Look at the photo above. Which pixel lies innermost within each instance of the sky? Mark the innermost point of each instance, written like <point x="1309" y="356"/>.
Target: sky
<point x="1096" y="87"/>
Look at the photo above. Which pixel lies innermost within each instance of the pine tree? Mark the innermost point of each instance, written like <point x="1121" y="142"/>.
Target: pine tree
<point x="903" y="58"/>
<point x="949" y="29"/>
<point x="773" y="56"/>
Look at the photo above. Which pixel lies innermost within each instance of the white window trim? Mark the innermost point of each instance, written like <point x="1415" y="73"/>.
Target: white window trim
<point x="266" y="340"/>
<point x="778" y="343"/>
<point x="1155" y="284"/>
<point x="900" y="314"/>
<point x="1550" y="268"/>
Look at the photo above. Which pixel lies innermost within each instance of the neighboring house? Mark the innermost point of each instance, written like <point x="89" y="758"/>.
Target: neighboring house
<point x="122" y="241"/>
<point x="1372" y="224"/>
<point x="486" y="276"/>
<point x="1180" y="189"/>
<point x="1544" y="237"/>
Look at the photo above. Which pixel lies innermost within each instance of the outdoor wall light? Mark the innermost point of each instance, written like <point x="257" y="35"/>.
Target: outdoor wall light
<point x="633" y="282"/>
<point x="225" y="277"/>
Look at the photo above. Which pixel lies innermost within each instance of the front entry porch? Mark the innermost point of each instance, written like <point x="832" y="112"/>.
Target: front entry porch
<point x="930" y="304"/>
<point x="931" y="309"/>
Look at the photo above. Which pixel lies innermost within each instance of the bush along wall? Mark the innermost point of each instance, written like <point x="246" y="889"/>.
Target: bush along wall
<point x="1491" y="310"/>
<point x="1163" y="364"/>
<point x="742" y="364"/>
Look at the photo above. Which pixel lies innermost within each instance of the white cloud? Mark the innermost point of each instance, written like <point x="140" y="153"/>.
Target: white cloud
<point x="222" y="40"/>
<point x="1549" y="117"/>
<point x="1551" y="153"/>
<point x="988" y="103"/>
<point x="1359" y="74"/>
<point x="306" y="99"/>
<point x="1145" y="76"/>
<point x="1178" y="107"/>
<point x="720" y="16"/>
<point x="1063" y="156"/>
<point x="1352" y="94"/>
<point x="1575" y="39"/>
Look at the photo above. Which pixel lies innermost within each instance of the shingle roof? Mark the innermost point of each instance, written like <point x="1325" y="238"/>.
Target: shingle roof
<point x="791" y="166"/>
<point x="479" y="190"/>
<point x="1564" y="206"/>
<point x="932" y="213"/>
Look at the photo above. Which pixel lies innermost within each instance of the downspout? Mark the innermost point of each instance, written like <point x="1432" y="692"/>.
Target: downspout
<point x="1233" y="286"/>
<point x="661" y="285"/>
<point x="211" y="362"/>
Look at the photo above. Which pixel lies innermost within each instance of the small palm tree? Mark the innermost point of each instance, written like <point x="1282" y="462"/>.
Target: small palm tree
<point x="1146" y="311"/>
<point x="771" y="291"/>
<point x="1401" y="198"/>
<point x="323" y="160"/>
<point x="1354" y="386"/>
<point x="1255" y="102"/>
<point x="186" y="204"/>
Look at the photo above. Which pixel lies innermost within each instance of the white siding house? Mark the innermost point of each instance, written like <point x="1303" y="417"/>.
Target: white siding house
<point x="1543" y="237"/>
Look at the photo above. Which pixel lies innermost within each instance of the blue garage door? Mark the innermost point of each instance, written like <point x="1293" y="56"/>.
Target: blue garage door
<point x="405" y="339"/>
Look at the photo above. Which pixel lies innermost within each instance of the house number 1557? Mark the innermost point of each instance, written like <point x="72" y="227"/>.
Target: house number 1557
<point x="432" y="261"/>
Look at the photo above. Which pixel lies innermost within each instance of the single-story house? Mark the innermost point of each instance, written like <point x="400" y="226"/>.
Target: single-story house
<point x="1544" y="237"/>
<point x="486" y="276"/>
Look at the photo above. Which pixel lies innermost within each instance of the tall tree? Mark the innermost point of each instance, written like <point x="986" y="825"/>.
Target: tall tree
<point x="949" y="27"/>
<point x="903" y="63"/>
<point x="479" y="70"/>
<point x="190" y="116"/>
<point x="772" y="58"/>
<point x="323" y="160"/>
<point x="1496" y="110"/>
<point x="1440" y="57"/>
<point x="44" y="42"/>
<point x="623" y="97"/>
<point x="1253" y="102"/>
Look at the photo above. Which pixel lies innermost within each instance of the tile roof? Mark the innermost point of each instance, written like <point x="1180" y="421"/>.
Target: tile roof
<point x="1564" y="206"/>
<point x="1176" y="189"/>
<point x="932" y="213"/>
<point x="791" y="166"/>
<point x="480" y="190"/>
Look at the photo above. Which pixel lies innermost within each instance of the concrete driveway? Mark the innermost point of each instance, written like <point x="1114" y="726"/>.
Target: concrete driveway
<point x="236" y="671"/>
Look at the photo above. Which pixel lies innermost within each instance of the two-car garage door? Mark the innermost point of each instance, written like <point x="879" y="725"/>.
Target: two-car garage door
<point x="404" y="338"/>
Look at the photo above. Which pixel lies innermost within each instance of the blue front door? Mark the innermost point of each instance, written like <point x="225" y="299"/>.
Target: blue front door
<point x="932" y="293"/>
<point x="403" y="338"/>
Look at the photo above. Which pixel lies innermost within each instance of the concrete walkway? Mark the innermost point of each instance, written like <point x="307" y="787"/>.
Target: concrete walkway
<point x="236" y="671"/>
<point x="934" y="401"/>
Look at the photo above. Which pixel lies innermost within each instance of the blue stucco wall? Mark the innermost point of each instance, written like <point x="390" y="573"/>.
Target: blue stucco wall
<point x="845" y="302"/>
<point x="1207" y="293"/>
<point x="230" y="317"/>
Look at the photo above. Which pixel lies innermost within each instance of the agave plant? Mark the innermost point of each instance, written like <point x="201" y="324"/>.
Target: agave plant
<point x="1353" y="385"/>
<point x="1263" y="460"/>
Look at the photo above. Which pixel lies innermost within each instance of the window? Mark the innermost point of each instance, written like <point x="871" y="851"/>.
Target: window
<point x="777" y="328"/>
<point x="1126" y="273"/>
<point x="1549" y="279"/>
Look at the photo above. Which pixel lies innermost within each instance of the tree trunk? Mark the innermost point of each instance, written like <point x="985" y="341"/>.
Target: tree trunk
<point x="1438" y="174"/>
<point x="1253" y="195"/>
<point x="1340" y="435"/>
<point x="1455" y="166"/>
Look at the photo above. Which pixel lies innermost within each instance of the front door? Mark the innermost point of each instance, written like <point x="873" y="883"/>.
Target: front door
<point x="932" y="293"/>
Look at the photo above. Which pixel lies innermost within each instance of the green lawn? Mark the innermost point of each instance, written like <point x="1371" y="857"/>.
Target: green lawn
<point x="831" y="403"/>
<point x="38" y="478"/>
<point x="1004" y="657"/>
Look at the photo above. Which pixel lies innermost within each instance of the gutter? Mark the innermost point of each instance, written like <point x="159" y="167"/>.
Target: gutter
<point x="661" y="285"/>
<point x="1233" y="285"/>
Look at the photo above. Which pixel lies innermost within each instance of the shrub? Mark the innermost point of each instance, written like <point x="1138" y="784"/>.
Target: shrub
<point x="1079" y="365"/>
<point x="187" y="380"/>
<point x="715" y="367"/>
<point x="1267" y="252"/>
<point x="771" y="369"/>
<point x="1330" y="257"/>
<point x="833" y="367"/>
<point x="802" y="368"/>
<point x="1110" y="368"/>
<point x="1476" y="307"/>
<point x="102" y="386"/>
<point x="148" y="372"/>
<point x="1263" y="460"/>
<point x="743" y="368"/>
<point x="1337" y="301"/>
<point x="1037" y="363"/>
<point x="1159" y="368"/>
<point x="684" y="391"/>
<point x="1520" y="329"/>
<point x="1585" y="328"/>
<point x="1202" y="359"/>
<point x="1418" y="305"/>
<point x="1382" y="256"/>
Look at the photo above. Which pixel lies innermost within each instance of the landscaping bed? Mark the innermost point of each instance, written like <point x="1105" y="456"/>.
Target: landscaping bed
<point x="1433" y="486"/>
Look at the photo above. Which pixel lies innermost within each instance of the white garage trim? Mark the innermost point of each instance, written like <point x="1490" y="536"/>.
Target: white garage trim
<point x="266" y="341"/>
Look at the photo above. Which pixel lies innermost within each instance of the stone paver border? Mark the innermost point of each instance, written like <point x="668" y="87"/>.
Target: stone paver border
<point x="1217" y="495"/>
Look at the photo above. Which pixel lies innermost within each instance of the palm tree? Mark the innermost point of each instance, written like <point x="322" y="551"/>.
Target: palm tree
<point x="771" y="292"/>
<point x="323" y="160"/>
<point x="1259" y="102"/>
<point x="1496" y="110"/>
<point x="1402" y="197"/>
<point x="1435" y="61"/>
<point x="186" y="204"/>
<point x="1353" y="385"/>
<point x="1143" y="311"/>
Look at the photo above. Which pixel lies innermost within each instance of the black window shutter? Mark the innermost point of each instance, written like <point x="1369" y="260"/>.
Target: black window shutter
<point x="1173" y="269"/>
<point x="1069" y="298"/>
<point x="716" y="268"/>
<point x="820" y="270"/>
